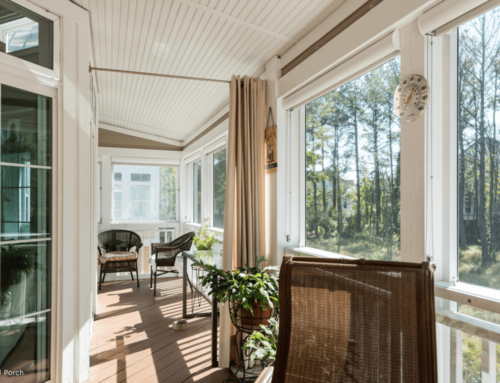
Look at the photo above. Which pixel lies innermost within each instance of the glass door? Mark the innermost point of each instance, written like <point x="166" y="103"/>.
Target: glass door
<point x="25" y="235"/>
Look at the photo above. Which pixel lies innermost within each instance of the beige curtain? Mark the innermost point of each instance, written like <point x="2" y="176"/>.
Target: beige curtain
<point x="244" y="215"/>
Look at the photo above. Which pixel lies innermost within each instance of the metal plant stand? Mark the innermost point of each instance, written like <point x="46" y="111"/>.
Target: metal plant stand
<point x="245" y="370"/>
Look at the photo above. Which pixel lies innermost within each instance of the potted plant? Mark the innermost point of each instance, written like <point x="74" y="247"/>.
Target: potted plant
<point x="204" y="240"/>
<point x="252" y="291"/>
<point x="264" y="343"/>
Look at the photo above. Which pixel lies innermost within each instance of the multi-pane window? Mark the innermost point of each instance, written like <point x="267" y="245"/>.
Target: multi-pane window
<point x="219" y="187"/>
<point x="144" y="193"/>
<point x="479" y="150"/>
<point x="197" y="192"/>
<point x="25" y="235"/>
<point x="25" y="35"/>
<point x="353" y="157"/>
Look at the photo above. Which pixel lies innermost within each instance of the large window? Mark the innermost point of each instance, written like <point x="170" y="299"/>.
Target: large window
<point x="25" y="235"/>
<point x="25" y="34"/>
<point x="353" y="168"/>
<point x="197" y="192"/>
<point x="219" y="190"/>
<point x="144" y="193"/>
<point x="479" y="150"/>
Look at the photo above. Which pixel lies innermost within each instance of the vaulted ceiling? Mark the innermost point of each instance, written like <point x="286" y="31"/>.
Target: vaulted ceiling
<point x="198" y="38"/>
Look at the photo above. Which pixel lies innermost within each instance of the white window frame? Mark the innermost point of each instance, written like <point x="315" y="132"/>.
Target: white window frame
<point x="205" y="155"/>
<point x="131" y="161"/>
<point x="442" y="180"/>
<point x="440" y="176"/>
<point x="54" y="310"/>
<point x="34" y="72"/>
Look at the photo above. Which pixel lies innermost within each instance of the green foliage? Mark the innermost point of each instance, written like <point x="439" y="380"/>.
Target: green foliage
<point x="264" y="343"/>
<point x="244" y="286"/>
<point x="204" y="240"/>
<point x="15" y="262"/>
<point x="352" y="167"/>
<point x="168" y="193"/>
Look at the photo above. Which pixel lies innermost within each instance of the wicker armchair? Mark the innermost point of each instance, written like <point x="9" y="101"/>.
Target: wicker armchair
<point x="355" y="321"/>
<point x="165" y="254"/>
<point x="118" y="252"/>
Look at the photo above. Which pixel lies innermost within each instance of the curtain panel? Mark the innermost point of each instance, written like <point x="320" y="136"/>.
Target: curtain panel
<point x="244" y="217"/>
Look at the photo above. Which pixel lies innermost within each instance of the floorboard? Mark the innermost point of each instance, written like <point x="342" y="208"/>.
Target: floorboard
<point x="133" y="341"/>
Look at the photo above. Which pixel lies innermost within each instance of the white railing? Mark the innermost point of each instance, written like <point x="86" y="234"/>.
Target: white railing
<point x="454" y="357"/>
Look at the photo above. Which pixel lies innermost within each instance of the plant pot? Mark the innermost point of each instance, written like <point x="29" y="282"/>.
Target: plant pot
<point x="258" y="317"/>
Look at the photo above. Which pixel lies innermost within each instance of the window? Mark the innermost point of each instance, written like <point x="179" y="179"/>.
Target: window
<point x="479" y="150"/>
<point x="353" y="167"/>
<point x="25" y="232"/>
<point x="219" y="189"/>
<point x="144" y="193"/>
<point x="26" y="35"/>
<point x="197" y="192"/>
<point x="140" y="177"/>
<point x="141" y="202"/>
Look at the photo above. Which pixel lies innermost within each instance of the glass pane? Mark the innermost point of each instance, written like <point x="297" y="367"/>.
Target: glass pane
<point x="479" y="151"/>
<point x="25" y="349"/>
<point x="26" y="127"/>
<point x="197" y="192"/>
<point x="25" y="34"/>
<point x="353" y="156"/>
<point x="168" y="193"/>
<point x="219" y="174"/>
<point x="144" y="193"/>
<point x="26" y="203"/>
<point x="24" y="279"/>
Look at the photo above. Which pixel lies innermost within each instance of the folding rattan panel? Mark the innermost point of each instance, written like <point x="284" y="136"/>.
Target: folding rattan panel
<point x="356" y="321"/>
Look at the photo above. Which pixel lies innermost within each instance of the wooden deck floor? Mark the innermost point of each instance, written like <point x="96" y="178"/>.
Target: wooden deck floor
<point x="132" y="340"/>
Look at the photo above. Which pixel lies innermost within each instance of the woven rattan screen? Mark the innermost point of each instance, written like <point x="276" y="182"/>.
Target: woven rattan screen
<point x="355" y="322"/>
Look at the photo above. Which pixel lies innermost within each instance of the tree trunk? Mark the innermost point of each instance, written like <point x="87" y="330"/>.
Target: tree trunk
<point x="461" y="161"/>
<point x="482" y="161"/>
<point x="358" y="186"/>
<point x="377" y="174"/>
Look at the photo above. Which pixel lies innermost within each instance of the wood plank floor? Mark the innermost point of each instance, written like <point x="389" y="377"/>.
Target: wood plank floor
<point x="132" y="340"/>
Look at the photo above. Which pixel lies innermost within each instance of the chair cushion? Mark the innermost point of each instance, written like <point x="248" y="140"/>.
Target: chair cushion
<point x="118" y="256"/>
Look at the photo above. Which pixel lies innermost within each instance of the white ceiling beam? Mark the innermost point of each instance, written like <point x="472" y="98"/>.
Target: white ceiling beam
<point x="146" y="136"/>
<point x="238" y="21"/>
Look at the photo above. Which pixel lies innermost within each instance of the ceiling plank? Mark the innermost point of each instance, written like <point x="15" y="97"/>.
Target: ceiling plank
<point x="238" y="21"/>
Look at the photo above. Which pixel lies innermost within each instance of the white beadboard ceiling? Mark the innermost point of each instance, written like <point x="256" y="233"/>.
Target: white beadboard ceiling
<point x="197" y="38"/>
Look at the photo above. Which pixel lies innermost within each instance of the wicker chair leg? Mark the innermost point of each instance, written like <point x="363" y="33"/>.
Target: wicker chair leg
<point x="132" y="275"/>
<point x="136" y="274"/>
<point x="154" y="293"/>
<point x="151" y="277"/>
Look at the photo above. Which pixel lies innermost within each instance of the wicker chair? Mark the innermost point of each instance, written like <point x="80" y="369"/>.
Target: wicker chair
<point x="165" y="254"/>
<point x="355" y="321"/>
<point x="118" y="252"/>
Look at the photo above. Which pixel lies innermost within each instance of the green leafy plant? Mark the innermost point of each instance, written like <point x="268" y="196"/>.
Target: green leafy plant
<point x="264" y="343"/>
<point x="15" y="261"/>
<point x="244" y="286"/>
<point x="204" y="240"/>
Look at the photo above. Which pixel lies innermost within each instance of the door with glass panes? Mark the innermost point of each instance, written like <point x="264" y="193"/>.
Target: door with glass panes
<point x="25" y="231"/>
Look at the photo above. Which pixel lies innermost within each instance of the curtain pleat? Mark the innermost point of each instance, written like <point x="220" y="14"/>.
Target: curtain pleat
<point x="244" y="217"/>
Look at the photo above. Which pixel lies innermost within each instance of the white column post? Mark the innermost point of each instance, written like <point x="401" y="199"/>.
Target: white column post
<point x="413" y="57"/>
<point x="107" y="191"/>
<point x="488" y="362"/>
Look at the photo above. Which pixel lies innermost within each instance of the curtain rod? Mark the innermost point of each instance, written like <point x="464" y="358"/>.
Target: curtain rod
<point x="157" y="75"/>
